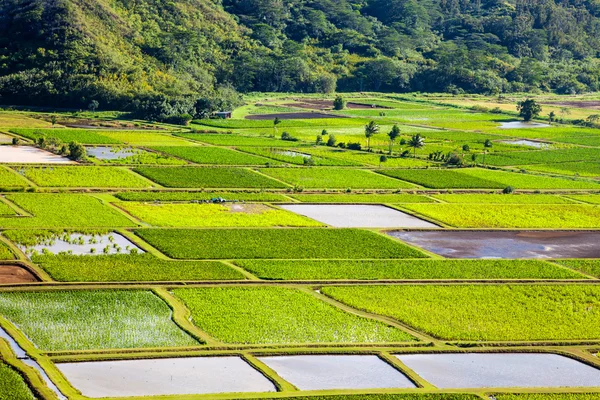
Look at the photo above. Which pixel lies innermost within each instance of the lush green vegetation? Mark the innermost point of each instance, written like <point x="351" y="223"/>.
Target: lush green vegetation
<point x="273" y="315"/>
<point x="296" y="156"/>
<point x="200" y="196"/>
<point x="584" y="168"/>
<point x="12" y="385"/>
<point x="548" y="396"/>
<point x="197" y="177"/>
<point x="237" y="140"/>
<point x="9" y="179"/>
<point x="395" y="396"/>
<point x="143" y="138"/>
<point x="558" y="216"/>
<point x="529" y="181"/>
<point x="589" y="266"/>
<point x="213" y="155"/>
<point x="587" y="198"/>
<point x="362" y="198"/>
<point x="131" y="267"/>
<point x="484" y="312"/>
<point x="215" y="215"/>
<point x="275" y="243"/>
<point x="111" y="177"/>
<point x="502" y="199"/>
<point x="84" y="136"/>
<point x="93" y="319"/>
<point x="438" y="179"/>
<point x="405" y="269"/>
<point x="63" y="210"/>
<point x="335" y="178"/>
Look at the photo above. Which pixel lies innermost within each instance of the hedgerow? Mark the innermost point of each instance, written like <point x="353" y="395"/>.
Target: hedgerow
<point x="131" y="267"/>
<point x="93" y="319"/>
<point x="405" y="269"/>
<point x="484" y="312"/>
<point x="275" y="243"/>
<point x="198" y="177"/>
<point x="274" y="315"/>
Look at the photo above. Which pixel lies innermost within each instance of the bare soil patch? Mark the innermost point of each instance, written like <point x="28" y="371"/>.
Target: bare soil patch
<point x="299" y="115"/>
<point x="16" y="274"/>
<point x="328" y="105"/>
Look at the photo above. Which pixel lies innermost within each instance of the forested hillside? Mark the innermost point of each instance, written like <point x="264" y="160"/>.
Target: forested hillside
<point x="165" y="58"/>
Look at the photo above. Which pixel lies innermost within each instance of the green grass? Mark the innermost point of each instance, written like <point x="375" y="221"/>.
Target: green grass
<point x="200" y="196"/>
<point x="63" y="210"/>
<point x="362" y="198"/>
<point x="441" y="179"/>
<point x="213" y="155"/>
<point x="5" y="252"/>
<point x="131" y="267"/>
<point x="557" y="216"/>
<point x="9" y="179"/>
<point x="225" y="139"/>
<point x="105" y="177"/>
<point x="405" y="269"/>
<point x="198" y="177"/>
<point x="591" y="169"/>
<point x="548" y="396"/>
<point x="590" y="267"/>
<point x="83" y="136"/>
<point x="93" y="319"/>
<point x="543" y="156"/>
<point x="12" y="385"/>
<point x="312" y="178"/>
<point x="275" y="243"/>
<point x="273" y="315"/>
<point x="215" y="215"/>
<point x="502" y="199"/>
<point x="484" y="312"/>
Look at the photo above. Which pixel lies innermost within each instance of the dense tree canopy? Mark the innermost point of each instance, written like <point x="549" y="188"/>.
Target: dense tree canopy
<point x="184" y="56"/>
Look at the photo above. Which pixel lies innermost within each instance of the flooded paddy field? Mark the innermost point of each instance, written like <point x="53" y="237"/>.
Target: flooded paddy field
<point x="505" y="244"/>
<point x="525" y="370"/>
<point x="154" y="377"/>
<point x="528" y="143"/>
<point x="83" y="244"/>
<point x="111" y="153"/>
<point x="522" y="125"/>
<point x="358" y="216"/>
<point x="322" y="372"/>
<point x="30" y="155"/>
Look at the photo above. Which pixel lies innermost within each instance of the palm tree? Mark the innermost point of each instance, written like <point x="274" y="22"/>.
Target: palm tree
<point x="416" y="142"/>
<point x="370" y="129"/>
<point x="393" y="134"/>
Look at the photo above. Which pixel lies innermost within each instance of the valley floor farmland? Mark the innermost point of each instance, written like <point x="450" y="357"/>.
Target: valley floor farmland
<point x="244" y="259"/>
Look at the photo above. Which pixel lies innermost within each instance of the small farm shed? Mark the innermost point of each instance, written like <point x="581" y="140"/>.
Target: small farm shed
<point x="223" y="114"/>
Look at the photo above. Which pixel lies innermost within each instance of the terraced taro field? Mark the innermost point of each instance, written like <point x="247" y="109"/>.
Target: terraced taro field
<point x="241" y="258"/>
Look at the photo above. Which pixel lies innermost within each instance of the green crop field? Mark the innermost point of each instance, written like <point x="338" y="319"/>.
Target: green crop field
<point x="548" y="396"/>
<point x="63" y="210"/>
<point x="224" y="139"/>
<point x="201" y="196"/>
<point x="296" y="156"/>
<point x="272" y="315"/>
<point x="142" y="138"/>
<point x="131" y="267"/>
<point x="12" y="385"/>
<point x="590" y="198"/>
<point x="215" y="215"/>
<point x="105" y="177"/>
<point x="102" y="319"/>
<point x="197" y="177"/>
<point x="335" y="178"/>
<point x="362" y="198"/>
<point x="438" y="179"/>
<point x="502" y="199"/>
<point x="9" y="179"/>
<point x="5" y="252"/>
<point x="275" y="243"/>
<point x="405" y="269"/>
<point x="484" y="312"/>
<point x="586" y="168"/>
<point x="589" y="267"/>
<point x="512" y="215"/>
<point x="84" y="136"/>
<point x="213" y="155"/>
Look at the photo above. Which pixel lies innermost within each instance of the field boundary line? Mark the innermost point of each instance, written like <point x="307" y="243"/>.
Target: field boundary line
<point x="280" y="384"/>
<point x="398" y="365"/>
<point x="249" y="276"/>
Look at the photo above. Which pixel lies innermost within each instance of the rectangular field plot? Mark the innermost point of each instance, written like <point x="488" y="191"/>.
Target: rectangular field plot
<point x="562" y="216"/>
<point x="525" y="370"/>
<point x="502" y="198"/>
<point x="12" y="384"/>
<point x="358" y="216"/>
<point x="213" y="155"/>
<point x="484" y="312"/>
<point x="201" y="196"/>
<point x="442" y="179"/>
<point x="406" y="269"/>
<point x="79" y="244"/>
<point x="197" y="177"/>
<point x="215" y="215"/>
<point x="335" y="178"/>
<point x="144" y="138"/>
<point x="362" y="198"/>
<point x="111" y="177"/>
<point x="10" y="179"/>
<point x="589" y="267"/>
<point x="101" y="319"/>
<point x="169" y="376"/>
<point x="326" y="372"/>
<point x="63" y="210"/>
<point x="495" y="244"/>
<point x="224" y="139"/>
<point x="586" y="168"/>
<point x="131" y="267"/>
<point x="529" y="181"/>
<point x="84" y="136"/>
<point x="129" y="155"/>
<point x="30" y="155"/>
<point x="273" y="315"/>
<point x="275" y="243"/>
